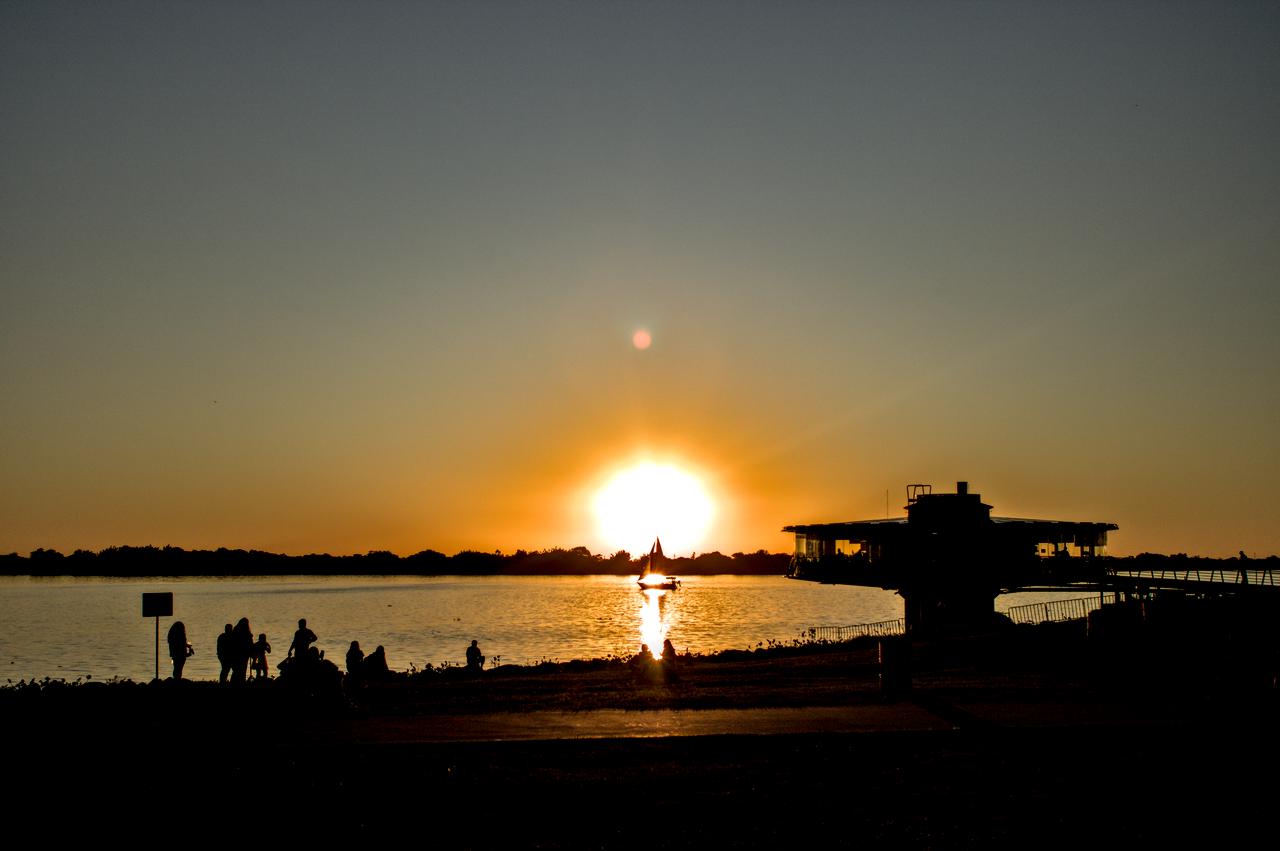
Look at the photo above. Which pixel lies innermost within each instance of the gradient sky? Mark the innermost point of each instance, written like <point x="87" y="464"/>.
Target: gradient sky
<point x="340" y="277"/>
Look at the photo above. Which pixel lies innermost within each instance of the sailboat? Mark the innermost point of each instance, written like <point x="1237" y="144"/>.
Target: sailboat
<point x="652" y="576"/>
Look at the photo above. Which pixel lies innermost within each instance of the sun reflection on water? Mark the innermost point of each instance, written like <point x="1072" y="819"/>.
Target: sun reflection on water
<point x="653" y="621"/>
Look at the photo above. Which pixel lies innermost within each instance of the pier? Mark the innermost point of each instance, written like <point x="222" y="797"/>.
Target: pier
<point x="949" y="558"/>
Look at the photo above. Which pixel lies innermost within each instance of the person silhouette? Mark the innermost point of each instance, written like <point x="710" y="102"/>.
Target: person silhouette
<point x="669" y="660"/>
<point x="375" y="665"/>
<point x="475" y="660"/>
<point x="643" y="665"/>
<point x="179" y="648"/>
<point x="241" y="650"/>
<point x="259" y="657"/>
<point x="302" y="639"/>
<point x="355" y="659"/>
<point x="225" y="649"/>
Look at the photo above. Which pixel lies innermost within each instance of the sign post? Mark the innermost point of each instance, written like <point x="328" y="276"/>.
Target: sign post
<point x="157" y="605"/>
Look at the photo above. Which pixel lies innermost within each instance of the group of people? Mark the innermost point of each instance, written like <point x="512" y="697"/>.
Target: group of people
<point x="362" y="668"/>
<point x="239" y="654"/>
<point x="668" y="654"/>
<point x="237" y="650"/>
<point x="663" y="667"/>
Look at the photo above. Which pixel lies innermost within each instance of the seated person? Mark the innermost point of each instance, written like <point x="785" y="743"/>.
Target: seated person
<point x="375" y="665"/>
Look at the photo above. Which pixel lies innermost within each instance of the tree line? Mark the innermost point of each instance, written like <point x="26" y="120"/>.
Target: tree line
<point x="175" y="561"/>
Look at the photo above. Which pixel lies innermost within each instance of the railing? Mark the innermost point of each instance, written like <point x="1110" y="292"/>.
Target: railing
<point x="1215" y="575"/>
<point x="857" y="630"/>
<point x="1054" y="611"/>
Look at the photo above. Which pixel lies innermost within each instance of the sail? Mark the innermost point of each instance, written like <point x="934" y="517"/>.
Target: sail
<point x="654" y="574"/>
<point x="654" y="564"/>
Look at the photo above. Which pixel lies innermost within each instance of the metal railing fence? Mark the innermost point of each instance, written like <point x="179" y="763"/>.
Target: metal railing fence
<point x="858" y="630"/>
<point x="1214" y="575"/>
<point x="1054" y="611"/>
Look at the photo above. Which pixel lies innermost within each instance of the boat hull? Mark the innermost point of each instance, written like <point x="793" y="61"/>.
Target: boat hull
<point x="670" y="584"/>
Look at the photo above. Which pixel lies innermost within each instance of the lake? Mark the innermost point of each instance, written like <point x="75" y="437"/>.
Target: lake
<point x="73" y="627"/>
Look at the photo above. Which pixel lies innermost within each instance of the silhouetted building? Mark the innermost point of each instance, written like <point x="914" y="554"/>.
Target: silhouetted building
<point x="948" y="558"/>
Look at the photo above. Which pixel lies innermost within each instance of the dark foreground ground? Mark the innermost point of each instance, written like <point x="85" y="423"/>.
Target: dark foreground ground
<point x="1036" y="737"/>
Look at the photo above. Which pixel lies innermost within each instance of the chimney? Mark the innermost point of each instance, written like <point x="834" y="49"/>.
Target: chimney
<point x="962" y="488"/>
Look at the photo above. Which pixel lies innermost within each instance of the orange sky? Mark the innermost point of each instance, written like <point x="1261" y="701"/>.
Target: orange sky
<point x="369" y="279"/>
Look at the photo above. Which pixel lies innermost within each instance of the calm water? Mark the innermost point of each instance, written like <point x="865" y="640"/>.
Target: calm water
<point x="72" y="628"/>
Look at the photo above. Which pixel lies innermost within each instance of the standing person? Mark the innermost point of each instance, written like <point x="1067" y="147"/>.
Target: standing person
<point x="260" y="651"/>
<point x="475" y="661"/>
<point x="302" y="639"/>
<point x="179" y="648"/>
<point x="225" y="651"/>
<point x="241" y="650"/>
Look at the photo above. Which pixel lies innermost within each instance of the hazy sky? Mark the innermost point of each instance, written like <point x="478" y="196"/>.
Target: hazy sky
<point x="340" y="277"/>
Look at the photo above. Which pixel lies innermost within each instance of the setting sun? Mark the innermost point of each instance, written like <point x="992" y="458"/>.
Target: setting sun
<point x="648" y="501"/>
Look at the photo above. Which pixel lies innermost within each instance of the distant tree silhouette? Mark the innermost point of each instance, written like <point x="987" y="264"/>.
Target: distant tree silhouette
<point x="472" y="563"/>
<point x="427" y="561"/>
<point x="577" y="561"/>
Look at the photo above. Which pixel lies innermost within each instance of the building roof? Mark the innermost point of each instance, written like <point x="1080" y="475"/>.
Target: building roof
<point x="858" y="530"/>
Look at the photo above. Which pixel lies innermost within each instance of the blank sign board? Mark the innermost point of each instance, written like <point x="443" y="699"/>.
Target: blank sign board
<point x="157" y="605"/>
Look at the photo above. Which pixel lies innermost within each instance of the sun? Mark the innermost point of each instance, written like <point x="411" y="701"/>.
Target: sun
<point x="651" y="500"/>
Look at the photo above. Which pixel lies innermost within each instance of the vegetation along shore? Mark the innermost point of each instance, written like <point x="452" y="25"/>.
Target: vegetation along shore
<point x="579" y="561"/>
<point x="175" y="561"/>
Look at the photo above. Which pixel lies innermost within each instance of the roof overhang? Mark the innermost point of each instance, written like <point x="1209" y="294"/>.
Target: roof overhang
<point x="1047" y="531"/>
